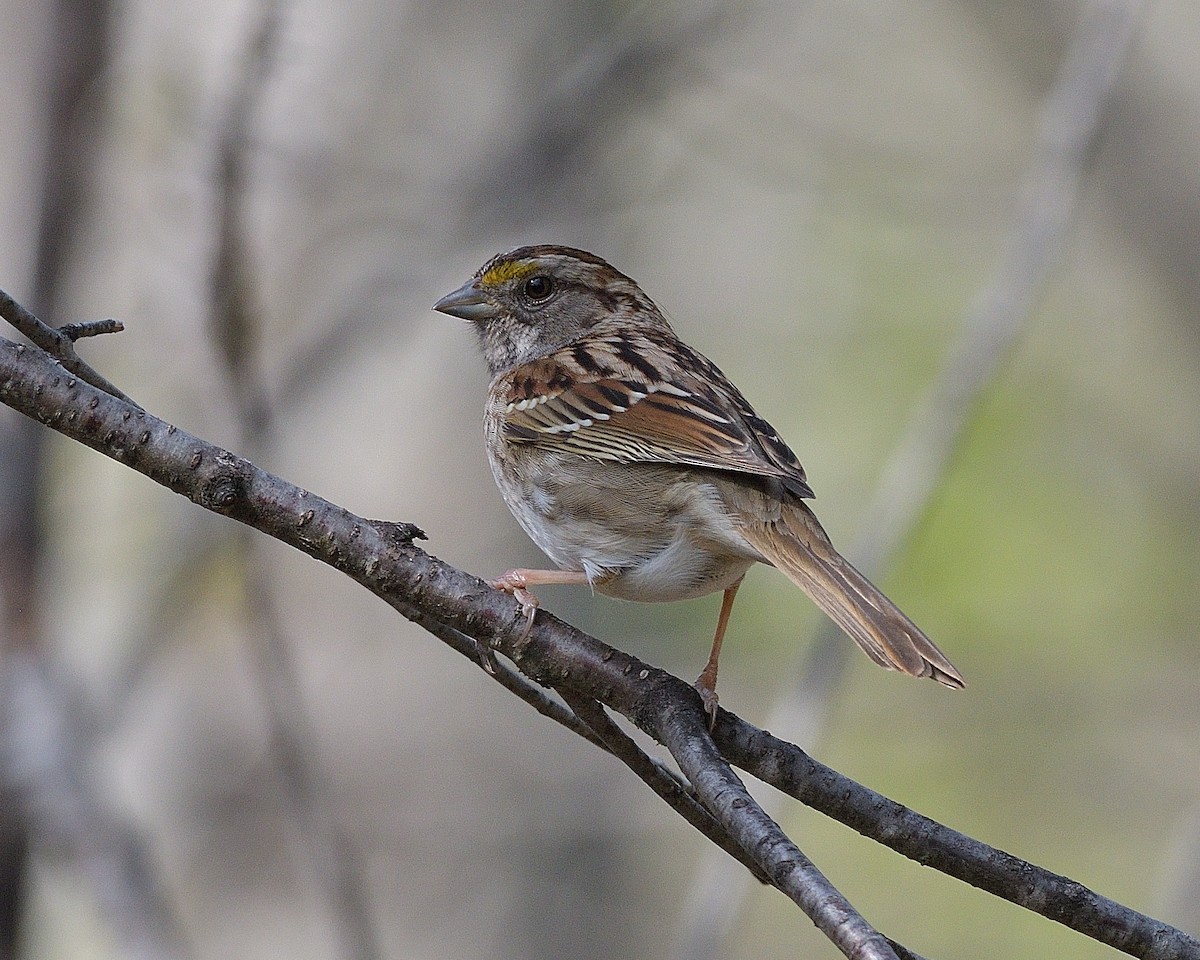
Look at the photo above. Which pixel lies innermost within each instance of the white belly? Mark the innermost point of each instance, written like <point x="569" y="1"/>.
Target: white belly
<point x="640" y="532"/>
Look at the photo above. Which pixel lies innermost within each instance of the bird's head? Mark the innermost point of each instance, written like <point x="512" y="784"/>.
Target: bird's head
<point x="533" y="301"/>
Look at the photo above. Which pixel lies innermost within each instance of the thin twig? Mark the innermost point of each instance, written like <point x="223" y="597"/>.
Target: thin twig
<point x="92" y="328"/>
<point x="57" y="343"/>
<point x="332" y="855"/>
<point x="1070" y="121"/>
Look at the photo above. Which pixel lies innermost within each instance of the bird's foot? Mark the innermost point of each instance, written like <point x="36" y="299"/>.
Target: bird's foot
<point x="515" y="582"/>
<point x="706" y="686"/>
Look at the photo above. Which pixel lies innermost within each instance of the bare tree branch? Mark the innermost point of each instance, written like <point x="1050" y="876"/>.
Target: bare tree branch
<point x="557" y="655"/>
<point x="1056" y="897"/>
<point x="684" y="733"/>
<point x="58" y="343"/>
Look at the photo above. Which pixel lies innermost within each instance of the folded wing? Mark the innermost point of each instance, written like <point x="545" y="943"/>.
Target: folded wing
<point x="613" y="399"/>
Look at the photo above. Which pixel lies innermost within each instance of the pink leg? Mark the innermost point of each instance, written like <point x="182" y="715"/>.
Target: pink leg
<point x="518" y="581"/>
<point x="706" y="683"/>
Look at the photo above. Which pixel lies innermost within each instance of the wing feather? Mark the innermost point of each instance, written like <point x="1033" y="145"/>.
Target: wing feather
<point x="641" y="398"/>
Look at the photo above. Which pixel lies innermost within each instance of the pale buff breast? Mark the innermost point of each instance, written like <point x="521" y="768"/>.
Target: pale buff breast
<point x="643" y="532"/>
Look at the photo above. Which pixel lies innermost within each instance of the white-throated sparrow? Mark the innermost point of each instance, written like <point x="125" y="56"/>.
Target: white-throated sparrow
<point x="638" y="468"/>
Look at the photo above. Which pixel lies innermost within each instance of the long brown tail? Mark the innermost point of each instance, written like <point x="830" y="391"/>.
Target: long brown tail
<point x="798" y="546"/>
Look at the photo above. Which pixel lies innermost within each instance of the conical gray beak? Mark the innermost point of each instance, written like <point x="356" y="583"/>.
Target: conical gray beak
<point x="467" y="303"/>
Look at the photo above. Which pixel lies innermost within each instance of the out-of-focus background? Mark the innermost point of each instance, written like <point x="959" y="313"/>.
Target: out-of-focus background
<point x="213" y="747"/>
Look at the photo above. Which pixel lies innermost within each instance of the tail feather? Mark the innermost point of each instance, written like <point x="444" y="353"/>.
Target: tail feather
<point x="798" y="546"/>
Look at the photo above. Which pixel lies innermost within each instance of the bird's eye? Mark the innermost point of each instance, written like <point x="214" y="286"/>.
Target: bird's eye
<point x="538" y="288"/>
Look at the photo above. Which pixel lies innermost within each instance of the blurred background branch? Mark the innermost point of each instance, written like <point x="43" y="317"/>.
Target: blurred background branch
<point x="55" y="812"/>
<point x="236" y="326"/>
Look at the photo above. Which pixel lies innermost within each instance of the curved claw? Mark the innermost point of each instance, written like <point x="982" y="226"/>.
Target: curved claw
<point x="514" y="582"/>
<point x="487" y="659"/>
<point x="708" y="696"/>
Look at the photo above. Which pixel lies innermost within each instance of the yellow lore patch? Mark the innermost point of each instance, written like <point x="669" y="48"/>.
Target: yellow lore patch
<point x="503" y="272"/>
